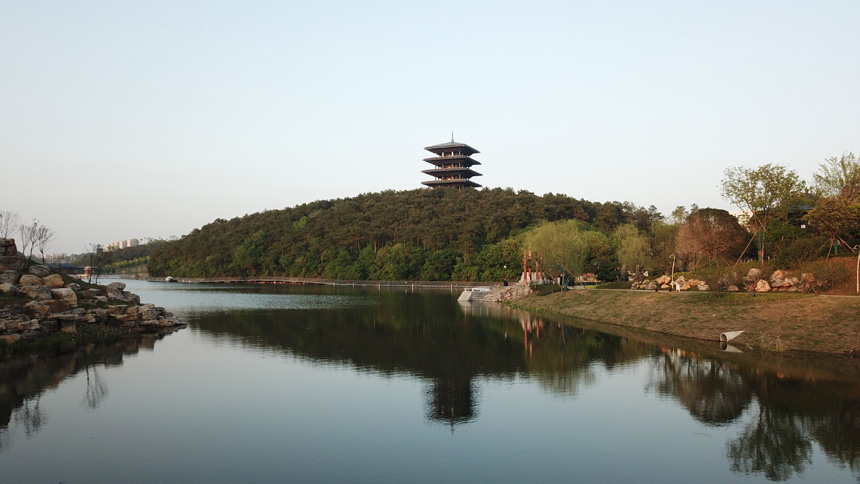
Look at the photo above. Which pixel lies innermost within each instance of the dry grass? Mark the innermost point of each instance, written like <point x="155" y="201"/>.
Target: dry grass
<point x="776" y="322"/>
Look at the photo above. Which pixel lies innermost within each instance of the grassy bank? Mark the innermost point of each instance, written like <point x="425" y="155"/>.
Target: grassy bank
<point x="775" y="322"/>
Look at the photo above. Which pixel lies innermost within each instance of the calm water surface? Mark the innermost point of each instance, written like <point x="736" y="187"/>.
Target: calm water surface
<point x="315" y="384"/>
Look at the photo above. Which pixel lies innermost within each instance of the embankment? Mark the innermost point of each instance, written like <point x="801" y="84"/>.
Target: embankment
<point x="777" y="322"/>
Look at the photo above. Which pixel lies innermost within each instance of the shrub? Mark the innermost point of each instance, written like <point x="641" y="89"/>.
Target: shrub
<point x="828" y="273"/>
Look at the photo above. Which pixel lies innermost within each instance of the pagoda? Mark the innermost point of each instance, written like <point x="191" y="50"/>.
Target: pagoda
<point x="453" y="165"/>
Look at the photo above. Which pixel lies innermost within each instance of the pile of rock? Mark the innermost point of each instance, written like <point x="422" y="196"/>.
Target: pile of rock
<point x="35" y="303"/>
<point x="753" y="281"/>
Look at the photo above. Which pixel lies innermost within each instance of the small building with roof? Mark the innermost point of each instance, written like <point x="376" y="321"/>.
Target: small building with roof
<point x="452" y="165"/>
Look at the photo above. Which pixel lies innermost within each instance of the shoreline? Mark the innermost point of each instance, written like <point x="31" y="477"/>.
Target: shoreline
<point x="819" y="324"/>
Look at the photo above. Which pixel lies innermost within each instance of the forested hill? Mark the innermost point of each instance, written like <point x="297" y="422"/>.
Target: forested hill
<point x="422" y="234"/>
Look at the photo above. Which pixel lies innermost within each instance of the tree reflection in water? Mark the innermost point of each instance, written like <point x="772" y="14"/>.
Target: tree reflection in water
<point x="775" y="444"/>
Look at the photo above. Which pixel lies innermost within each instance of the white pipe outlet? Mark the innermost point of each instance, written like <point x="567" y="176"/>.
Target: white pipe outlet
<point x="729" y="335"/>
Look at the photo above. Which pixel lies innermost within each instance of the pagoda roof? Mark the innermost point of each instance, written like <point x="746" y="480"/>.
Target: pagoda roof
<point x="452" y="144"/>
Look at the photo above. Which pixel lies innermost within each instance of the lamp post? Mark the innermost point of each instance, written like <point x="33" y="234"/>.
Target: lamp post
<point x="672" y="276"/>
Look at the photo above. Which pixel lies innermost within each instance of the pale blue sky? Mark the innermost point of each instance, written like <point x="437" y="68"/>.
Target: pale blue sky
<point x="136" y="119"/>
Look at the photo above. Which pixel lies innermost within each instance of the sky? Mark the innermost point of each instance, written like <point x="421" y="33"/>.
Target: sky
<point x="153" y="118"/>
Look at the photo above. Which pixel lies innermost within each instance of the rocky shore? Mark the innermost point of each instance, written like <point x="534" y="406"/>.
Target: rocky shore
<point x="37" y="304"/>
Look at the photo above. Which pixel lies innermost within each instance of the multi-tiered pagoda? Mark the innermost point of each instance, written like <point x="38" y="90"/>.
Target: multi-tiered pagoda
<point x="453" y="165"/>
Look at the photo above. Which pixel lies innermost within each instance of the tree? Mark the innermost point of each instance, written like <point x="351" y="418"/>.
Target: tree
<point x="8" y="223"/>
<point x="632" y="248"/>
<point x="838" y="177"/>
<point x="43" y="238"/>
<point x="714" y="232"/>
<point x="562" y="246"/>
<point x="833" y="217"/>
<point x="765" y="193"/>
<point x="28" y="237"/>
<point x="94" y="254"/>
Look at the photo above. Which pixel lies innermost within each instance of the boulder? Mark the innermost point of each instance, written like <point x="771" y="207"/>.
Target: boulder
<point x="703" y="287"/>
<point x="8" y="289"/>
<point x="753" y="275"/>
<point x="9" y="277"/>
<point x="131" y="297"/>
<point x="65" y="294"/>
<point x="54" y="281"/>
<point x="114" y="293"/>
<point x="30" y="280"/>
<point x="10" y="338"/>
<point x="635" y="285"/>
<point x="664" y="280"/>
<point x="651" y="286"/>
<point x="13" y="263"/>
<point x="37" y="309"/>
<point x="732" y="288"/>
<point x="68" y="327"/>
<point x="778" y="275"/>
<point x="58" y="305"/>
<point x="8" y="247"/>
<point x="39" y="271"/>
<point x="762" y="286"/>
<point x="680" y="280"/>
<point x="117" y="285"/>
<point x="37" y="293"/>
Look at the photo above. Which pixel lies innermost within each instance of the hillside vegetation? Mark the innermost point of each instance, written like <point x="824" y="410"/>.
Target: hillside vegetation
<point x="441" y="234"/>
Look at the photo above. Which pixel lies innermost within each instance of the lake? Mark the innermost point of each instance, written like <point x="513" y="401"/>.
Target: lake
<point x="320" y="384"/>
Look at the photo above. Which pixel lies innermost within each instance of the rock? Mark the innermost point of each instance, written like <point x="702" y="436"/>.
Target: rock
<point x="37" y="293"/>
<point x="703" y="287"/>
<point x="664" y="280"/>
<point x="680" y="280"/>
<point x="68" y="327"/>
<point x="12" y="263"/>
<point x="9" y="277"/>
<point x="75" y="287"/>
<point x="8" y="289"/>
<point x="131" y="297"/>
<point x="777" y="283"/>
<point x="778" y="275"/>
<point x="664" y="286"/>
<point x="39" y="271"/>
<point x="58" y="305"/>
<point x="37" y="310"/>
<point x="635" y="285"/>
<point x="753" y="275"/>
<point x="30" y="280"/>
<point x="10" y="338"/>
<point x="8" y="247"/>
<point x="65" y="294"/>
<point x="54" y="281"/>
<point x="732" y="288"/>
<point x="807" y="277"/>
<point x="114" y="293"/>
<point x="117" y="285"/>
<point x="651" y="286"/>
<point x="762" y="286"/>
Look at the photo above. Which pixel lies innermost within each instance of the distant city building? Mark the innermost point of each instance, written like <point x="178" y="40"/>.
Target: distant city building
<point x="453" y="165"/>
<point x="122" y="244"/>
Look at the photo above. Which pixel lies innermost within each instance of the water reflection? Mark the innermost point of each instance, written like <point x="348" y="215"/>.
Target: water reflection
<point x="781" y="416"/>
<point x="777" y="420"/>
<point x="25" y="378"/>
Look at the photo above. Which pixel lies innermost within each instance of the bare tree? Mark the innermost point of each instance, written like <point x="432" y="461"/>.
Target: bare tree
<point x="8" y="223"/>
<point x="28" y="237"/>
<point x="94" y="256"/>
<point x="44" y="235"/>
